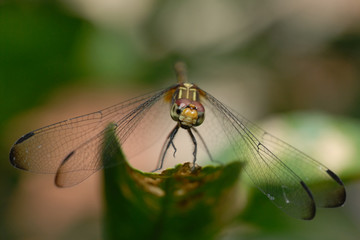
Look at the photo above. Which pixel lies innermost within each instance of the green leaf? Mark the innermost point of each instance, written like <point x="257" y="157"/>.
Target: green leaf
<point x="179" y="203"/>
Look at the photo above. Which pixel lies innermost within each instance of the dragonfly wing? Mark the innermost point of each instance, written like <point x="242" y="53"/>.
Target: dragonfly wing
<point x="289" y="178"/>
<point x="73" y="146"/>
<point x="326" y="187"/>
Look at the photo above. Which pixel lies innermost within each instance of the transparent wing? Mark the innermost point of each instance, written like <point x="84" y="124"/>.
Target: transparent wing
<point x="326" y="187"/>
<point x="293" y="181"/>
<point x="72" y="148"/>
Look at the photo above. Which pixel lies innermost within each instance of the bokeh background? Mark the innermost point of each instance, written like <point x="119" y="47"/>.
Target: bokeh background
<point x="292" y="65"/>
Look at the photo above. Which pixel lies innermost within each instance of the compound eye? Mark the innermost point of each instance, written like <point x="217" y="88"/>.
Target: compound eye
<point x="200" y="119"/>
<point x="175" y="112"/>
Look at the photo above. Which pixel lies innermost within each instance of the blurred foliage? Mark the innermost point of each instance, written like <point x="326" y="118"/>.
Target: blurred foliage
<point x="288" y="57"/>
<point x="36" y="53"/>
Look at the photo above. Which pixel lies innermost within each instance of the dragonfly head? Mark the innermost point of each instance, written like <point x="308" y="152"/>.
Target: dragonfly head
<point x="187" y="113"/>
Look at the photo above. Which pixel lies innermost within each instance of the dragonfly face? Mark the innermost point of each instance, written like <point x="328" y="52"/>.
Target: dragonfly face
<point x="186" y="107"/>
<point x="73" y="149"/>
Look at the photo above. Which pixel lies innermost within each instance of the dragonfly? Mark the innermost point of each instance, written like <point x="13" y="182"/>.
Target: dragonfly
<point x="72" y="149"/>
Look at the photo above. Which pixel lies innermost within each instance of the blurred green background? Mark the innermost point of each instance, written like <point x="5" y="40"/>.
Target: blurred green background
<point x="294" y="65"/>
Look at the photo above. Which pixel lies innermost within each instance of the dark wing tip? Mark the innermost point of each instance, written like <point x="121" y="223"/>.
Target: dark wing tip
<point x="14" y="159"/>
<point x="67" y="176"/>
<point x="307" y="190"/>
<point x="335" y="177"/>
<point x="312" y="210"/>
<point x="67" y="158"/>
<point x="25" y="137"/>
<point x="340" y="192"/>
<point x="13" y="155"/>
<point x="60" y="179"/>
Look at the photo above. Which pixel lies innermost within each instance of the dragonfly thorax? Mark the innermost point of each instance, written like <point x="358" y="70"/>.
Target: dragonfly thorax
<point x="187" y="113"/>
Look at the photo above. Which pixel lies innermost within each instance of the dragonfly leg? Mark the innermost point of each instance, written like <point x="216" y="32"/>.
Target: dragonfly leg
<point x="169" y="142"/>
<point x="175" y="149"/>
<point x="195" y="147"/>
<point x="206" y="148"/>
